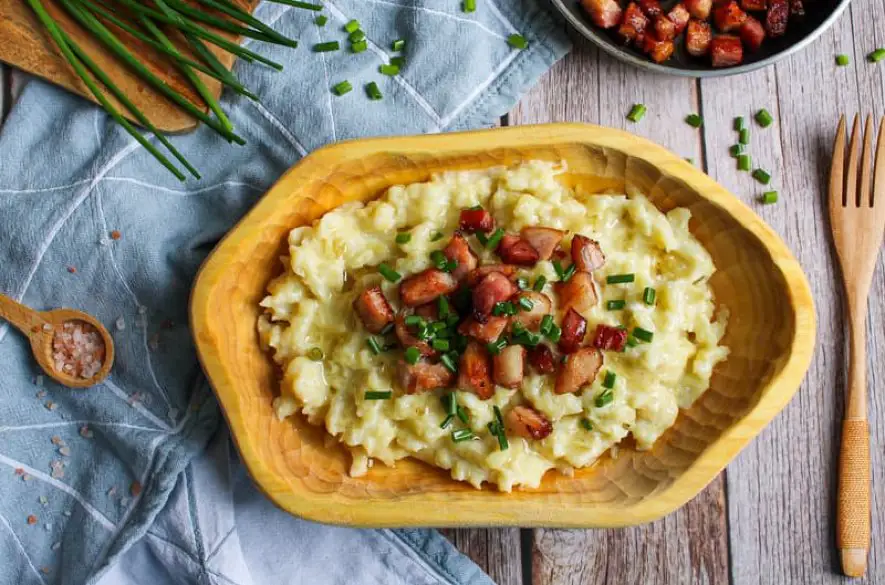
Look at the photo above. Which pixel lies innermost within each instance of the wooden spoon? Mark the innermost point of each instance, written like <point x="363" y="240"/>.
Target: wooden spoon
<point x="41" y="327"/>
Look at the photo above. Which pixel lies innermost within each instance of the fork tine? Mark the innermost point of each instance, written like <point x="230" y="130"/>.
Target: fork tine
<point x="879" y="172"/>
<point x="864" y="195"/>
<point x="850" y="196"/>
<point x="837" y="180"/>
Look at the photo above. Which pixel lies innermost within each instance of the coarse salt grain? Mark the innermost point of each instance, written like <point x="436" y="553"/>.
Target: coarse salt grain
<point x="78" y="349"/>
<point x="113" y="491"/>
<point x="120" y="324"/>
<point x="43" y="500"/>
<point x="67" y="513"/>
<point x="64" y="451"/>
<point x="48" y="526"/>
<point x="142" y="309"/>
<point x="105" y="241"/>
<point x="86" y="432"/>
<point x="55" y="546"/>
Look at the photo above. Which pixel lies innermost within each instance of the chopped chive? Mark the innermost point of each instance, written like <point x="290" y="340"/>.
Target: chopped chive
<point x="469" y="6"/>
<point x="482" y="238"/>
<point x="439" y="259"/>
<point x="554" y="334"/>
<point x="424" y="332"/>
<point x="315" y="354"/>
<point x="502" y="440"/>
<point x="374" y="395"/>
<point x="342" y="88"/>
<point x="437" y="236"/>
<point x="494" y="239"/>
<point x="539" y="283"/>
<point x="744" y="162"/>
<point x="615" y="305"/>
<point x="689" y="160"/>
<point x="474" y="208"/>
<point x="403" y="238"/>
<point x="412" y="355"/>
<point x="557" y="267"/>
<point x="462" y="435"/>
<point x="643" y="334"/>
<point x="399" y="61"/>
<point x="648" y="295"/>
<point x="694" y="120"/>
<point x="495" y="347"/>
<point x="356" y="36"/>
<point x="564" y="359"/>
<point x="736" y="150"/>
<point x="842" y="60"/>
<point x="586" y="424"/>
<point x="447" y="421"/>
<point x="438" y="326"/>
<point x="763" y="118"/>
<point x="620" y="278"/>
<point x="762" y="176"/>
<point x="390" y="70"/>
<point x="462" y="414"/>
<point x="769" y="197"/>
<point x="876" y="55"/>
<point x="526" y="304"/>
<point x="449" y="363"/>
<point x="739" y="124"/>
<point x="321" y="20"/>
<point x="744" y="137"/>
<point x="517" y="41"/>
<point x="440" y="345"/>
<point x="605" y="398"/>
<point x="352" y="26"/>
<point x="631" y="341"/>
<point x="398" y="45"/>
<point x="451" y="265"/>
<point x="522" y="283"/>
<point x="498" y="418"/>
<point x="568" y="273"/>
<point x="609" y="380"/>
<point x="452" y="320"/>
<point x="414" y="320"/>
<point x="388" y="272"/>
<point x="503" y="308"/>
<point x="298" y="4"/>
<point x="326" y="47"/>
<point x="359" y="47"/>
<point x="374" y="345"/>
<point x="387" y="329"/>
<point x="637" y="112"/>
<point x="450" y="403"/>
<point x="442" y="307"/>
<point x="546" y="324"/>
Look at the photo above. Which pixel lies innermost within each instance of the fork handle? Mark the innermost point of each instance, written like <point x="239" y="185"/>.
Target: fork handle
<point x="853" y="507"/>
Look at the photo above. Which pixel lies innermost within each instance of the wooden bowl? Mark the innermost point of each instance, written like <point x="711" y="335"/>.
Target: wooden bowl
<point x="770" y="334"/>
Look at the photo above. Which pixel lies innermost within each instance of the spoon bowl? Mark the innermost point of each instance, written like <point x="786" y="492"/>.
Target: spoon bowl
<point x="41" y="329"/>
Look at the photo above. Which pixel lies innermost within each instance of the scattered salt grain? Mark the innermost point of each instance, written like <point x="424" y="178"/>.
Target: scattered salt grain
<point x="64" y="451"/>
<point x="78" y="349"/>
<point x="43" y="500"/>
<point x="142" y="309"/>
<point x="67" y="513"/>
<point x="32" y="519"/>
<point x="55" y="546"/>
<point x="113" y="491"/>
<point x="135" y="488"/>
<point x="47" y="527"/>
<point x="86" y="432"/>
<point x="120" y="324"/>
<point x="58" y="469"/>
<point x="105" y="241"/>
<point x="125" y="501"/>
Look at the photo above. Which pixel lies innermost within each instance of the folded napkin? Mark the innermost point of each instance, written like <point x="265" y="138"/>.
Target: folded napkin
<point x="89" y="220"/>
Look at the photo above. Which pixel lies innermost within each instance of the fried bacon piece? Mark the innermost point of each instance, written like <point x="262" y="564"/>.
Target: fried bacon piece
<point x="475" y="371"/>
<point x="586" y="253"/>
<point x="603" y="13"/>
<point x="374" y="310"/>
<point x="423" y="376"/>
<point x="651" y="8"/>
<point x="494" y="288"/>
<point x="476" y="220"/>
<point x="608" y="337"/>
<point x="697" y="38"/>
<point x="797" y="8"/>
<point x="776" y="18"/>
<point x="426" y="286"/>
<point x="659" y="51"/>
<point x="579" y="293"/>
<point x="680" y="17"/>
<point x="486" y="332"/>
<point x="633" y="23"/>
<point x="728" y="16"/>
<point x="543" y="240"/>
<point x="752" y="33"/>
<point x="699" y="9"/>
<point x="726" y="51"/>
<point x="459" y="250"/>
<point x="408" y="339"/>
<point x="574" y="327"/>
<point x="541" y="358"/>
<point x="664" y="30"/>
<point x="474" y="276"/>
<point x="515" y="250"/>
<point x="526" y="422"/>
<point x="754" y="4"/>
<point x="579" y="370"/>
<point x="541" y="305"/>
<point x="509" y="366"/>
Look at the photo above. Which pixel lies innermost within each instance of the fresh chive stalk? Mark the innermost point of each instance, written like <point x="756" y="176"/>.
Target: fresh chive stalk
<point x="326" y="47"/>
<point x="637" y="112"/>
<point x="769" y="197"/>
<point x="517" y="41"/>
<point x="694" y="120"/>
<point x="762" y="176"/>
<point x="387" y="69"/>
<point x="648" y="295"/>
<point x="398" y="45"/>
<point x="469" y="6"/>
<point x="378" y="395"/>
<point x="620" y="278"/>
<point x="615" y="305"/>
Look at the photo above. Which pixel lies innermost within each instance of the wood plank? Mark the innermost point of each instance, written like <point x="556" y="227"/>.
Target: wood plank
<point x="589" y="86"/>
<point x="497" y="551"/>
<point x="781" y="488"/>
<point x="5" y="91"/>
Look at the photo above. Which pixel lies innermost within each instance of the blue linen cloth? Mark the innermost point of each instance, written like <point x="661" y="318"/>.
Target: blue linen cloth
<point x="91" y="480"/>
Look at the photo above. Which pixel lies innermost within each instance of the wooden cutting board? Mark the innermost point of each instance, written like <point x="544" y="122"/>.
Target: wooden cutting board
<point x="24" y="44"/>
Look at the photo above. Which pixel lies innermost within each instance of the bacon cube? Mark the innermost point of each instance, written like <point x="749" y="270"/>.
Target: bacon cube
<point x="491" y="290"/>
<point x="633" y="23"/>
<point x="752" y="33"/>
<point x="459" y="250"/>
<point x="423" y="376"/>
<point x="475" y="371"/>
<point x="797" y="8"/>
<point x="651" y="8"/>
<point x="608" y="337"/>
<point x="699" y="9"/>
<point x="515" y="250"/>
<point x="426" y="286"/>
<point x="543" y="240"/>
<point x="680" y="17"/>
<point x="659" y="51"/>
<point x="574" y="327"/>
<point x="726" y="51"/>
<point x="776" y="18"/>
<point x="374" y="310"/>
<point x="697" y="38"/>
<point x="580" y="370"/>
<point x="586" y="253"/>
<point x="665" y="30"/>
<point x="542" y="359"/>
<point x="755" y="5"/>
<point x="476" y="220"/>
<point x="509" y="366"/>
<point x="603" y="13"/>
<point x="528" y="423"/>
<point x="728" y="16"/>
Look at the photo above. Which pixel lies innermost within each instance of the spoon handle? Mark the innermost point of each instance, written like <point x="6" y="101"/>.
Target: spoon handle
<point x="27" y="320"/>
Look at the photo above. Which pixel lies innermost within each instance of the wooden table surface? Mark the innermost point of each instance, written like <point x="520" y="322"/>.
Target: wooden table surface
<point x="768" y="519"/>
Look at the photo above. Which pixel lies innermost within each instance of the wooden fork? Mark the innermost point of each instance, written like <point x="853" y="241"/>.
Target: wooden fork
<point x="857" y="219"/>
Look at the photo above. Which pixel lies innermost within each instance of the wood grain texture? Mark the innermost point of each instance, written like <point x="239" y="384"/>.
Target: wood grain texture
<point x="590" y="86"/>
<point x="497" y="550"/>
<point x="24" y="44"/>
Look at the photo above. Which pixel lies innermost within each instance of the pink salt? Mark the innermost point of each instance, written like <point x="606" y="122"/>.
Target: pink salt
<point x="78" y="349"/>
